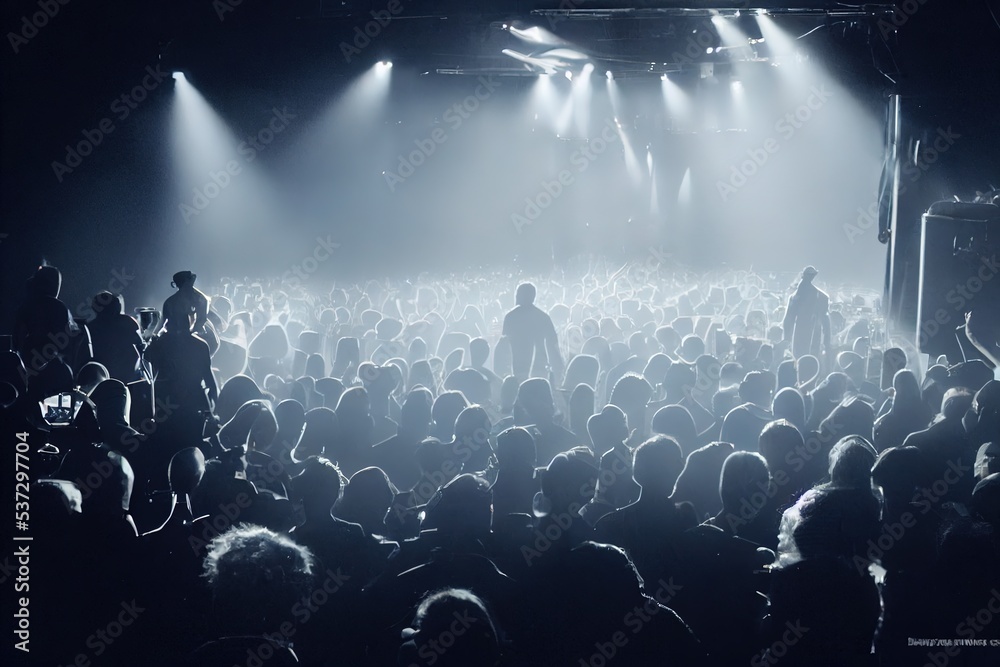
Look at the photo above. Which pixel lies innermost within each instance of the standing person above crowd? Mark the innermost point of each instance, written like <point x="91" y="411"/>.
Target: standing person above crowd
<point x="807" y="317"/>
<point x="532" y="336"/>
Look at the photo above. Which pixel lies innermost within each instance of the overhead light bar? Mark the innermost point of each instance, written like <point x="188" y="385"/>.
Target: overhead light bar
<point x="862" y="11"/>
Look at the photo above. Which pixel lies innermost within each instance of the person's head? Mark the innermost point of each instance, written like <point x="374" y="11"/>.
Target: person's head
<point x="415" y="413"/>
<point x="852" y="416"/>
<point x="744" y="474"/>
<point x="757" y="388"/>
<point x="290" y="416"/>
<point x="90" y="375"/>
<point x="854" y="365"/>
<point x="253" y="425"/>
<point x="235" y="392"/>
<point x="679" y="379"/>
<point x="105" y="304"/>
<point x="807" y="275"/>
<point x="525" y="295"/>
<point x="899" y="472"/>
<point x="515" y="448"/>
<point x="731" y="375"/>
<point x="366" y="498"/>
<point x="656" y="465"/>
<point x="445" y="410"/>
<point x="46" y="281"/>
<point x="317" y="487"/>
<point x="631" y="393"/>
<point x="112" y="401"/>
<point x="319" y="430"/>
<point x="183" y="279"/>
<point x="608" y="428"/>
<point x="906" y="389"/>
<point x="777" y="441"/>
<point x="956" y="402"/>
<point x="568" y="482"/>
<point x="582" y="369"/>
<point x="472" y="429"/>
<point x="656" y="368"/>
<point x="787" y="374"/>
<point x="434" y="628"/>
<point x="828" y="523"/>
<point x="692" y="347"/>
<point x="668" y="338"/>
<point x="479" y="352"/>
<point x="185" y="470"/>
<point x="534" y="402"/>
<point x="353" y="405"/>
<point x="256" y="576"/>
<point x="677" y="422"/>
<point x="788" y="405"/>
<point x="851" y="462"/>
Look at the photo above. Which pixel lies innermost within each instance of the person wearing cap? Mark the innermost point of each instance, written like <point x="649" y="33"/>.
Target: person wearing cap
<point x="807" y="318"/>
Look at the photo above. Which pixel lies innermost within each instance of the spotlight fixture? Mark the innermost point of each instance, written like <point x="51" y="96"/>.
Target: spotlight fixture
<point x="710" y="50"/>
<point x="178" y="76"/>
<point x="569" y="75"/>
<point x="385" y="64"/>
<point x="609" y="75"/>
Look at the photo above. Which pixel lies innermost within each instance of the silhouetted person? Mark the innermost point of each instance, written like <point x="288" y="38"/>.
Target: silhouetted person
<point x="470" y="449"/>
<point x="516" y="482"/>
<point x="817" y="585"/>
<point x="631" y="393"/>
<point x="380" y="382"/>
<point x="256" y="577"/>
<point x="807" y="317"/>
<point x="366" y="500"/>
<point x="697" y="483"/>
<point x="576" y="621"/>
<point x="44" y="328"/>
<point x="473" y="643"/>
<point x="744" y="423"/>
<point x="534" y="407"/>
<point x="354" y="438"/>
<point x="340" y="546"/>
<point x="676" y="421"/>
<point x="187" y="308"/>
<point x="447" y="406"/>
<point x="789" y="405"/>
<point x="396" y="456"/>
<point x="318" y="433"/>
<point x="945" y="446"/>
<point x="183" y="385"/>
<point x="532" y="337"/>
<point x="115" y="337"/>
<point x="609" y="431"/>
<point x="647" y="529"/>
